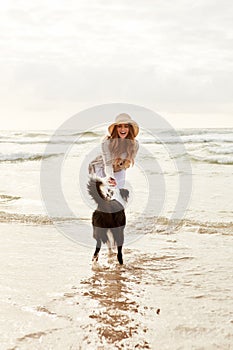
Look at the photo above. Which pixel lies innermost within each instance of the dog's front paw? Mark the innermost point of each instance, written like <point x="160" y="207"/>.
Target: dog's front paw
<point x="95" y="263"/>
<point x="95" y="258"/>
<point x="120" y="258"/>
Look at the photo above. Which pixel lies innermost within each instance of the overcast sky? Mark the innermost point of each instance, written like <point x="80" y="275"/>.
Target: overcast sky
<point x="59" y="57"/>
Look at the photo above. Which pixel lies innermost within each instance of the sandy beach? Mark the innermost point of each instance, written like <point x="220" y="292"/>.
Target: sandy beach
<point x="173" y="292"/>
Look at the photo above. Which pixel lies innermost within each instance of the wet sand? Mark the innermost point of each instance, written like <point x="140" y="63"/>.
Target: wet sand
<point x="173" y="292"/>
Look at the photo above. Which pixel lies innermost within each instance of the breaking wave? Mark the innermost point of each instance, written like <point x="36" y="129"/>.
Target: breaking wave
<point x="213" y="159"/>
<point x="7" y="217"/>
<point x="4" y="198"/>
<point x="22" y="157"/>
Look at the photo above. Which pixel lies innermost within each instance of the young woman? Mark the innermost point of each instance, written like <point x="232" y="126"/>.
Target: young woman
<point x="118" y="151"/>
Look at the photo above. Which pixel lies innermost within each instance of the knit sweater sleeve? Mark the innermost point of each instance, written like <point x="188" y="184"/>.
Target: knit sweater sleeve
<point x="136" y="148"/>
<point x="107" y="158"/>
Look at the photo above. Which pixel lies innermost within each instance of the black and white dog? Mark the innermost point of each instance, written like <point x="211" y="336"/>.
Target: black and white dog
<point x="109" y="215"/>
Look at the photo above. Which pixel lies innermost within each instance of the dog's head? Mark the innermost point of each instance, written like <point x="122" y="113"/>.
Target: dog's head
<point x="110" y="192"/>
<point x="106" y="191"/>
<point x="99" y="189"/>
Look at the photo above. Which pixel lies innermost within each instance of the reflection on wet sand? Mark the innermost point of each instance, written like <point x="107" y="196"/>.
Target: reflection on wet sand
<point x="118" y="314"/>
<point x="124" y="314"/>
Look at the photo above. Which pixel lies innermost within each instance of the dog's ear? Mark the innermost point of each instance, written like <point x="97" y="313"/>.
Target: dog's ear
<point x="124" y="194"/>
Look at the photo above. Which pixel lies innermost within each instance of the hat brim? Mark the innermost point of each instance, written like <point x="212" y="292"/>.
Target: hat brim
<point x="133" y="123"/>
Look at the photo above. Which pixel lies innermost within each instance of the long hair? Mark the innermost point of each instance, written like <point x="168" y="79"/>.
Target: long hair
<point x="117" y="146"/>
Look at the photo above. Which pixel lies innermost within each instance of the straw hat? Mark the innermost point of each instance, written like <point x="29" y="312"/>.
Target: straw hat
<point x="124" y="118"/>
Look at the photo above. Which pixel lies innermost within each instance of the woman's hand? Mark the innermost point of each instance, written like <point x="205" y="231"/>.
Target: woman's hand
<point x="112" y="181"/>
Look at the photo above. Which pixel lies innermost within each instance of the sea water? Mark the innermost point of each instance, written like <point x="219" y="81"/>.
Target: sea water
<point x="209" y="173"/>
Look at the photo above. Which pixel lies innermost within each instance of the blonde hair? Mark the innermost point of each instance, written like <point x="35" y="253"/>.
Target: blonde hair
<point x="117" y="146"/>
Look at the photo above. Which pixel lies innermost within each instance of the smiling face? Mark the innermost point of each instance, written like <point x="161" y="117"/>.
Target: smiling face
<point x="123" y="130"/>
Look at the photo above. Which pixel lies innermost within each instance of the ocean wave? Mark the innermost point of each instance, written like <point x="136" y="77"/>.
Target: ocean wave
<point x="66" y="133"/>
<point x="86" y="134"/>
<point x="23" y="218"/>
<point x="207" y="138"/>
<point x="23" y="142"/>
<point x="164" y="225"/>
<point x="30" y="133"/>
<point x="203" y="131"/>
<point x="187" y="139"/>
<point x="34" y="138"/>
<point x="223" y="228"/>
<point x="157" y="137"/>
<point x="213" y="159"/>
<point x="187" y="136"/>
<point x="4" y="198"/>
<point x="64" y="140"/>
<point x="22" y="157"/>
<point x="6" y="217"/>
<point x="221" y="150"/>
<point x="152" y="225"/>
<point x="33" y="134"/>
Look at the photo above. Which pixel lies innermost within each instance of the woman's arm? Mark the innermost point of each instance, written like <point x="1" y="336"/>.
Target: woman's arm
<point x="107" y="158"/>
<point x="135" y="149"/>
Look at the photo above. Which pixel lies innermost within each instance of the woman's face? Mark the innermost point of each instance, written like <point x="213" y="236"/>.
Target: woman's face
<point x="123" y="130"/>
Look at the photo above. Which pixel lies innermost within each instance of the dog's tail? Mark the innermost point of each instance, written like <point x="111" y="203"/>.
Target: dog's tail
<point x="93" y="188"/>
